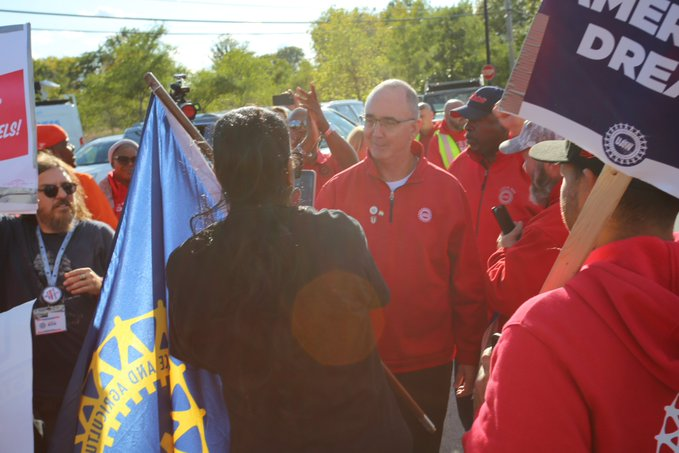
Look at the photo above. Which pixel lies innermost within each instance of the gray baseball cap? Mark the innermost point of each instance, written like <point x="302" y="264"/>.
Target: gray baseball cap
<point x="529" y="136"/>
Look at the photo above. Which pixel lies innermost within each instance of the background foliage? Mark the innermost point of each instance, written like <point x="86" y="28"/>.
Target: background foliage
<point x="353" y="51"/>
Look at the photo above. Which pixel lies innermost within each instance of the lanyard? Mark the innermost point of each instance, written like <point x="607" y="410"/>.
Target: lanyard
<point x="52" y="274"/>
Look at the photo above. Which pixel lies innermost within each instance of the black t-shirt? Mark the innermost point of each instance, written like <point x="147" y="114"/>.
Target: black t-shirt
<point x="23" y="279"/>
<point x="300" y="370"/>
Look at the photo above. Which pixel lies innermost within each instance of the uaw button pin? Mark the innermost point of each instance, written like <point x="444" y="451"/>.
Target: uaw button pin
<point x="51" y="295"/>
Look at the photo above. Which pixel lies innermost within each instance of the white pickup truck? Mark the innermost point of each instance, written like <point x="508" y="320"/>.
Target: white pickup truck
<point x="63" y="112"/>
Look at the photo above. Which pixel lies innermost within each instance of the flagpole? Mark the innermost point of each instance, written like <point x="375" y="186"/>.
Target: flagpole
<point x="174" y="109"/>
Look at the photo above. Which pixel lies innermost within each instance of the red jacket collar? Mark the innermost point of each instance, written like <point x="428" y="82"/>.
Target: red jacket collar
<point x="416" y="148"/>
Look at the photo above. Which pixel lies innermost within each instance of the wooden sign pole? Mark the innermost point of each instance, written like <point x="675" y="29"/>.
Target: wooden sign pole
<point x="602" y="201"/>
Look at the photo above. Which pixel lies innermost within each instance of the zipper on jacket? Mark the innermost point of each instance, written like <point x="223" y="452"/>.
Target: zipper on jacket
<point x="478" y="211"/>
<point x="391" y="207"/>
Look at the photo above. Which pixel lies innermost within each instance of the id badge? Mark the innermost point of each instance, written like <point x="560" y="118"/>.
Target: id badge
<point x="50" y="320"/>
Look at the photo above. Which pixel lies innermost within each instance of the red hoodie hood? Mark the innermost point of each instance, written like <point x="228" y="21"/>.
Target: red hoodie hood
<point x="642" y="307"/>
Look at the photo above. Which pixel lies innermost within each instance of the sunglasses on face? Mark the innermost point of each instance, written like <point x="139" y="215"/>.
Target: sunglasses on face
<point x="51" y="190"/>
<point x="294" y="124"/>
<point x="126" y="160"/>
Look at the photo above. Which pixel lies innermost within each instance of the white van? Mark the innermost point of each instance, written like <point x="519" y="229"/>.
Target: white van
<point x="63" y="112"/>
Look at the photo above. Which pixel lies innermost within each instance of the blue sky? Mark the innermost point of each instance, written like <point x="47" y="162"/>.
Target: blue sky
<point x="191" y="50"/>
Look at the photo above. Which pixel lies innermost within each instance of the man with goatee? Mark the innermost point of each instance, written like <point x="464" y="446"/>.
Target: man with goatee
<point x="57" y="257"/>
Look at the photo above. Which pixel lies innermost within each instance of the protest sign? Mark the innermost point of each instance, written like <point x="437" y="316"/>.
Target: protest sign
<point x="605" y="75"/>
<point x="18" y="171"/>
<point x="16" y="379"/>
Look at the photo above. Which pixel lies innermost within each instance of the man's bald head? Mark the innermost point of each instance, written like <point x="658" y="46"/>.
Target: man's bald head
<point x="409" y="94"/>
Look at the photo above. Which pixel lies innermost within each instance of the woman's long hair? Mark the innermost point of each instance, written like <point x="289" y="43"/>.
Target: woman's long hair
<point x="253" y="247"/>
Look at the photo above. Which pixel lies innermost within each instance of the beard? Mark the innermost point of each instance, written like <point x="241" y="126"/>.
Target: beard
<point x="541" y="186"/>
<point x="57" y="220"/>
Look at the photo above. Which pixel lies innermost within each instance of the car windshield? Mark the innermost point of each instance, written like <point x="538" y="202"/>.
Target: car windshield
<point x="96" y="151"/>
<point x="338" y="122"/>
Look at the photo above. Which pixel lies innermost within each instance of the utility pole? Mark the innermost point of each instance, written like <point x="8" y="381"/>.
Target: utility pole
<point x="485" y="19"/>
<point x="510" y="33"/>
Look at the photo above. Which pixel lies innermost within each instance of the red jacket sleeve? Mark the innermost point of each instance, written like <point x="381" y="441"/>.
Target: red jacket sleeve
<point x="470" y="316"/>
<point x="531" y="402"/>
<point x="326" y="197"/>
<point x="517" y="273"/>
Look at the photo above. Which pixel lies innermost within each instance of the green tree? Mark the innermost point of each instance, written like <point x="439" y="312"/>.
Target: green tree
<point x="349" y="47"/>
<point x="238" y="78"/>
<point x="294" y="56"/>
<point x="114" y="92"/>
<point x="64" y="71"/>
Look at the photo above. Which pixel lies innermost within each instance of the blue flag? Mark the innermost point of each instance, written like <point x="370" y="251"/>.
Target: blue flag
<point x="129" y="394"/>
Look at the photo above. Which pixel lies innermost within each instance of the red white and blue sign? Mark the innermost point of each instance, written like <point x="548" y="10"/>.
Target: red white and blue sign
<point x="605" y="74"/>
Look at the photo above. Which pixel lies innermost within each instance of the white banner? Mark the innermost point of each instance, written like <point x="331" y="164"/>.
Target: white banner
<point x="18" y="171"/>
<point x="16" y="379"/>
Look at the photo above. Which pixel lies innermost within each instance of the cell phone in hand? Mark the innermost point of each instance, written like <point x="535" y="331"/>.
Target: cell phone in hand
<point x="503" y="218"/>
<point x="283" y="99"/>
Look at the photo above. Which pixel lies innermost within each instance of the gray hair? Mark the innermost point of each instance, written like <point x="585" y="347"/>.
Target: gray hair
<point x="410" y="94"/>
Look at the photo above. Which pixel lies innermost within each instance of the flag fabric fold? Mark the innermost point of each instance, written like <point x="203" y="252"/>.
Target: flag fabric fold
<point x="127" y="393"/>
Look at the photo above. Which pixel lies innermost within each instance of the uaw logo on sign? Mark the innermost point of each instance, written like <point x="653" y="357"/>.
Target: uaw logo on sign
<point x="506" y="195"/>
<point x="625" y="145"/>
<point x="124" y="372"/>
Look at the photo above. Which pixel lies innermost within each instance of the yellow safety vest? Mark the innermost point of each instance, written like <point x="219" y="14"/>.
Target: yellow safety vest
<point x="448" y="148"/>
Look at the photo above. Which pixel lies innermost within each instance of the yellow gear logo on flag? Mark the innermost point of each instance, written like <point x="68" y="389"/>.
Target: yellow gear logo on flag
<point x="124" y="370"/>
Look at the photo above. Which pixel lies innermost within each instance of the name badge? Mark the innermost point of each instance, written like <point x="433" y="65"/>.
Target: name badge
<point x="50" y="320"/>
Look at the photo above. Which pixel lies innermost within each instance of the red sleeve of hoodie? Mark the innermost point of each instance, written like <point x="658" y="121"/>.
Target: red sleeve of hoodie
<point x="526" y="384"/>
<point x="517" y="273"/>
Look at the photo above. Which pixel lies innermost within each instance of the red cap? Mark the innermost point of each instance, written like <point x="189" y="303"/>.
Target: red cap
<point x="50" y="135"/>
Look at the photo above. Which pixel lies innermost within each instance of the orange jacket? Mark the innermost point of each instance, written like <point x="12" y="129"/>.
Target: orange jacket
<point x="96" y="201"/>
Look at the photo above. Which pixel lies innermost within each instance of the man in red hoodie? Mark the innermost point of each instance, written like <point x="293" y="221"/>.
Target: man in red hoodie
<point x="490" y="178"/>
<point x="594" y="366"/>
<point x="417" y="223"/>
<point x="520" y="265"/>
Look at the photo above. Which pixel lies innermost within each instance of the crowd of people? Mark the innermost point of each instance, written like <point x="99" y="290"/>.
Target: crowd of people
<point x="399" y="268"/>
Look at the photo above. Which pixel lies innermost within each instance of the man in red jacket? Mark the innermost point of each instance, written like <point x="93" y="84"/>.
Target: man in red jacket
<point x="490" y="178"/>
<point x="417" y="222"/>
<point x="594" y="366"/>
<point x="520" y="265"/>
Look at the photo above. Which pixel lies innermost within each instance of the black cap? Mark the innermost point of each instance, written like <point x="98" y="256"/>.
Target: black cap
<point x="480" y="103"/>
<point x="565" y="151"/>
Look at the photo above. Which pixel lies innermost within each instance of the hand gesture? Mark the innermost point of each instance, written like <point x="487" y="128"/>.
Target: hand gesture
<point x="309" y="100"/>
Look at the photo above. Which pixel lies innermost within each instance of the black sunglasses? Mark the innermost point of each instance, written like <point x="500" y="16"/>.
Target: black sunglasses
<point x="51" y="190"/>
<point x="126" y="160"/>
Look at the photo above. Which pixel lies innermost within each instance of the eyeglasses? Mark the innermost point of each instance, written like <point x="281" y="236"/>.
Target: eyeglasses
<point x="51" y="190"/>
<point x="126" y="160"/>
<point x="387" y="123"/>
<point x="294" y="124"/>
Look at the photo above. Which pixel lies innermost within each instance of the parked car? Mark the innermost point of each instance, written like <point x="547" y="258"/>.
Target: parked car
<point x="93" y="157"/>
<point x="351" y="109"/>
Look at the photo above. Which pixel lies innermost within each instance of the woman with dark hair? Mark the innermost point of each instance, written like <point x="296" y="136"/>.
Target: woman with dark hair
<point x="276" y="299"/>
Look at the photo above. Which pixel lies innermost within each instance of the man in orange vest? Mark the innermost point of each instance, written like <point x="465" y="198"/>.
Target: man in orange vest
<point x="449" y="140"/>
